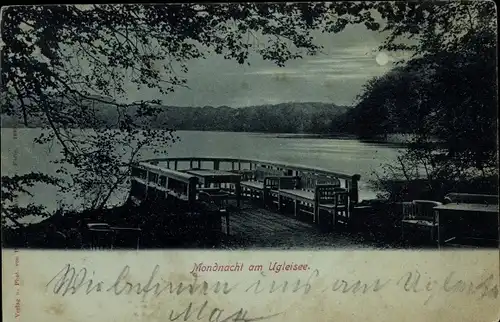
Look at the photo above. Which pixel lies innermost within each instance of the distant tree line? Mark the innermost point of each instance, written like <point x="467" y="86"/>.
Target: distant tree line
<point x="280" y="118"/>
<point x="312" y="117"/>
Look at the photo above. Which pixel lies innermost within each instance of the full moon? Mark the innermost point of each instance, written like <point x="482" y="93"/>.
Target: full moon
<point x="382" y="59"/>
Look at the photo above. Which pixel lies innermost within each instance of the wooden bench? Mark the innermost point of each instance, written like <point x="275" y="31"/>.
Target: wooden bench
<point x="308" y="192"/>
<point x="276" y="184"/>
<point x="419" y="215"/>
<point x="259" y="182"/>
<point x="126" y="237"/>
<point x="151" y="181"/>
<point x="217" y="198"/>
<point x="338" y="211"/>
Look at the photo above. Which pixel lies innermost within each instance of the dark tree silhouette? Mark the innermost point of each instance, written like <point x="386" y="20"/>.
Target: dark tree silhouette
<point x="445" y="95"/>
<point x="60" y="65"/>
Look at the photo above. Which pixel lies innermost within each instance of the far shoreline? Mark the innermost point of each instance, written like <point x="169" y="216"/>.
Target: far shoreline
<point x="393" y="138"/>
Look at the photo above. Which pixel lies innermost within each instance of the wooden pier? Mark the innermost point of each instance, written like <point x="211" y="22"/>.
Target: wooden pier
<point x="233" y="203"/>
<point x="312" y="197"/>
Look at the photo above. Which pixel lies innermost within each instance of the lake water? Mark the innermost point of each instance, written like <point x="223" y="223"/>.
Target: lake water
<point x="20" y="155"/>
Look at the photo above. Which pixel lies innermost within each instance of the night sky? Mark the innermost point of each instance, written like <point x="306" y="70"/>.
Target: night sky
<point x="336" y="75"/>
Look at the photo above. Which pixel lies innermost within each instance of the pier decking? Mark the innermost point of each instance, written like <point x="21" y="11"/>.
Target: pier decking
<point x="253" y="227"/>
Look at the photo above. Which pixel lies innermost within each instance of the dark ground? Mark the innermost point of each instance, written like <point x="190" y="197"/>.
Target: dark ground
<point x="251" y="227"/>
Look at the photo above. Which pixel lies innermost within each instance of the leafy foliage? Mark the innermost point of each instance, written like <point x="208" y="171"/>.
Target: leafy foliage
<point x="60" y="62"/>
<point x="445" y="95"/>
<point x="13" y="187"/>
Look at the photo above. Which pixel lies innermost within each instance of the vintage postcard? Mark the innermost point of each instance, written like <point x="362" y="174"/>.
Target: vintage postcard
<point x="286" y="161"/>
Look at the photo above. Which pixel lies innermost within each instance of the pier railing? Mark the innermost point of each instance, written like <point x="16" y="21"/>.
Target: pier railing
<point x="349" y="181"/>
<point x="147" y="176"/>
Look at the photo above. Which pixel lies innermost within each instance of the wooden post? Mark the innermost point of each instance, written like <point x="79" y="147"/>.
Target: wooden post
<point x="439" y="219"/>
<point x="316" y="204"/>
<point x="232" y="165"/>
<point x="191" y="164"/>
<point x="175" y="164"/>
<point x="216" y="164"/>
<point x="168" y="164"/>
<point x="348" y="186"/>
<point x="239" y="165"/>
<point x="192" y="190"/>
<point x="238" y="194"/>
<point x="199" y="164"/>
<point x="353" y="194"/>
<point x="147" y="184"/>
<point x="353" y="191"/>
